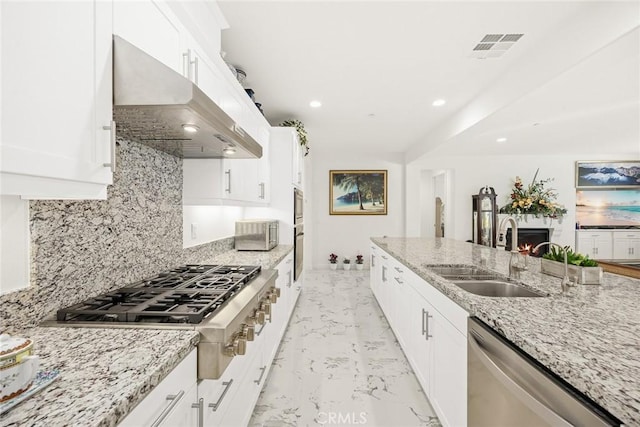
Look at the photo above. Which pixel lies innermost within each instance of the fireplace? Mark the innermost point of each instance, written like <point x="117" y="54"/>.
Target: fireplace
<point x="530" y="237"/>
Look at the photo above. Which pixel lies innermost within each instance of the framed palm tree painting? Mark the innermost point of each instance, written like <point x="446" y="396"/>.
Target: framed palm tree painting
<point x="358" y="192"/>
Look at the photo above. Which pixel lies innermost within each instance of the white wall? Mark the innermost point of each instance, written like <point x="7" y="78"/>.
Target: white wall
<point x="472" y="173"/>
<point x="212" y="223"/>
<point x="14" y="252"/>
<point x="346" y="235"/>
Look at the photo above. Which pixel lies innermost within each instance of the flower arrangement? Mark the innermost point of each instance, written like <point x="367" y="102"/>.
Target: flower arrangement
<point x="359" y="259"/>
<point x="347" y="261"/>
<point x="302" y="132"/>
<point x="535" y="199"/>
<point x="333" y="258"/>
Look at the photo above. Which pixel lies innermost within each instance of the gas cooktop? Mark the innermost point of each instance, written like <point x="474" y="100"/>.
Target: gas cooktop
<point x="186" y="294"/>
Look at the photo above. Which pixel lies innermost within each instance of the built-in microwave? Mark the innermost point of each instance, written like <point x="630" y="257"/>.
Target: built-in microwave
<point x="256" y="234"/>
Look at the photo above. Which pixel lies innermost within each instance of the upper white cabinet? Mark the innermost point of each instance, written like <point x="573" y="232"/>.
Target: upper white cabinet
<point x="286" y="139"/>
<point x="151" y="26"/>
<point x="56" y="138"/>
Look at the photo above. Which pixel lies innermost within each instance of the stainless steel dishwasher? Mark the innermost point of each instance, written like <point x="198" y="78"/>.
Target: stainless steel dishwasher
<point x="507" y="387"/>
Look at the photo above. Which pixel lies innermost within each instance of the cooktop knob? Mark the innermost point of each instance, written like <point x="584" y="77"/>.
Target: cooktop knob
<point x="276" y="291"/>
<point x="266" y="307"/>
<point x="257" y="318"/>
<point x="272" y="297"/>
<point x="237" y="347"/>
<point x="247" y="332"/>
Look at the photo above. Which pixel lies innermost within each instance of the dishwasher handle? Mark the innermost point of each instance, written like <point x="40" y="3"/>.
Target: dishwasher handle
<point x="525" y="396"/>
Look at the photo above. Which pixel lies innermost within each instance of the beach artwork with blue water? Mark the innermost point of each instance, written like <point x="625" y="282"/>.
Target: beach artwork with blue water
<point x="362" y="192"/>
<point x="608" y="207"/>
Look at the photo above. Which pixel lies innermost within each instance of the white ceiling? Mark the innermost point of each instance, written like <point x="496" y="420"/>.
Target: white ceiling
<point x="377" y="66"/>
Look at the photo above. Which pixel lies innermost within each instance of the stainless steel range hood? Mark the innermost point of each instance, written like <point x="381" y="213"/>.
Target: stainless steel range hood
<point x="152" y="103"/>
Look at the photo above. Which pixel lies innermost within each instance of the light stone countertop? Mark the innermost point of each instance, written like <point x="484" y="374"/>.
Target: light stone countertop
<point x="105" y="373"/>
<point x="589" y="336"/>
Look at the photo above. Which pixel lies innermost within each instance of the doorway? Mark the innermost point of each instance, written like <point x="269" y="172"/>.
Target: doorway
<point x="439" y="225"/>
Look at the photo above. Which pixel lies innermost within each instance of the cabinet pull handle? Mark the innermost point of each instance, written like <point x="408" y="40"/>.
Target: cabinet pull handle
<point x="290" y="281"/>
<point x="384" y="273"/>
<point x="227" y="385"/>
<point x="384" y="257"/>
<point x="373" y="260"/>
<point x="423" y="322"/>
<point x="195" y="69"/>
<point x="398" y="270"/>
<point x="112" y="146"/>
<point x="200" y="407"/>
<point x="398" y="280"/>
<point x="173" y="401"/>
<point x="263" y="369"/>
<point x="261" y="196"/>
<point x="186" y="62"/>
<point x="228" y="173"/>
<point x="426" y="328"/>
<point x="262" y="328"/>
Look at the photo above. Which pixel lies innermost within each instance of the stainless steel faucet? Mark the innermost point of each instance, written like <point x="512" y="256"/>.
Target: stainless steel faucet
<point x="515" y="266"/>
<point x="566" y="282"/>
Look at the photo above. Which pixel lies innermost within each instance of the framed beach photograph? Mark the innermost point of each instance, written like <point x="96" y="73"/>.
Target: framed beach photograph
<point x="607" y="174"/>
<point x="608" y="208"/>
<point x="357" y="192"/>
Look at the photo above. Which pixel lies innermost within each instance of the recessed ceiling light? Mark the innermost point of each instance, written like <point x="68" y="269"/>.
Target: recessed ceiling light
<point x="190" y="128"/>
<point x="439" y="102"/>
<point x="501" y="139"/>
<point x="315" y="104"/>
<point x="230" y="150"/>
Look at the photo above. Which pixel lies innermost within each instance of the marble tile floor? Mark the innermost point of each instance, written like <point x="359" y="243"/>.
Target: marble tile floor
<point x="339" y="363"/>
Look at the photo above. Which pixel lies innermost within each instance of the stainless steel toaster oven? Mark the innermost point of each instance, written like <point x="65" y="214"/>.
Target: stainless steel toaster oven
<point x="256" y="234"/>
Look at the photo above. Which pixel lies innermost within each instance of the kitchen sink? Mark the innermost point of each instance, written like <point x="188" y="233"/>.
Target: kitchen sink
<point x="495" y="288"/>
<point x="463" y="272"/>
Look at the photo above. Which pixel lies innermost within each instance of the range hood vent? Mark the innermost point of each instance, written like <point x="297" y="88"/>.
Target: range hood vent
<point x="153" y="103"/>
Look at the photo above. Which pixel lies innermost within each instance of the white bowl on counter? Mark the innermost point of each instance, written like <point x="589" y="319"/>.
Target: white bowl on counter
<point x="18" y="366"/>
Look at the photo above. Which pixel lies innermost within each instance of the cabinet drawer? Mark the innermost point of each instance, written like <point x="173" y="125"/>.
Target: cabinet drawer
<point x="169" y="393"/>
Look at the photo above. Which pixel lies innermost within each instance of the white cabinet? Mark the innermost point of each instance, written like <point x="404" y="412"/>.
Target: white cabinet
<point x="264" y="165"/>
<point x="431" y="330"/>
<point x="160" y="36"/>
<point x="626" y="245"/>
<point x="293" y="162"/>
<point x="222" y="181"/>
<point x="56" y="103"/>
<point x="595" y="243"/>
<point x="173" y="402"/>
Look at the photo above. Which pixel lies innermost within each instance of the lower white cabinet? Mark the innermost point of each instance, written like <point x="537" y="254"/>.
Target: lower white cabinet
<point x="173" y="402"/>
<point x="431" y="330"/>
<point x="595" y="243"/>
<point x="626" y="245"/>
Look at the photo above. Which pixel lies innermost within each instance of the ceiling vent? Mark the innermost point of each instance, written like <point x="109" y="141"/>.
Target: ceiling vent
<point x="494" y="45"/>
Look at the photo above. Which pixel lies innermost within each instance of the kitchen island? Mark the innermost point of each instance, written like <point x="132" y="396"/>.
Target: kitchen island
<point x="105" y="373"/>
<point x="587" y="336"/>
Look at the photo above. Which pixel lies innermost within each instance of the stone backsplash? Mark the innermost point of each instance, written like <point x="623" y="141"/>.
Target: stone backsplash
<point x="82" y="248"/>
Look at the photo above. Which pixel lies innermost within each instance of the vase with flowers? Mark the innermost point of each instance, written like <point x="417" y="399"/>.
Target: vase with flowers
<point x="333" y="261"/>
<point x="534" y="199"/>
<point x="346" y="264"/>
<point x="359" y="262"/>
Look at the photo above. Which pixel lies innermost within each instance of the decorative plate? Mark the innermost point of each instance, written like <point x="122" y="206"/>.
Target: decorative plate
<point x="43" y="379"/>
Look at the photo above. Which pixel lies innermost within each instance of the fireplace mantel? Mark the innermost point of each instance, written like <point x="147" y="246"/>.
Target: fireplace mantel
<point x="531" y="221"/>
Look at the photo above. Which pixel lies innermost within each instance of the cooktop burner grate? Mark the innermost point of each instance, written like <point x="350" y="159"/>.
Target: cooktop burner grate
<point x="185" y="294"/>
